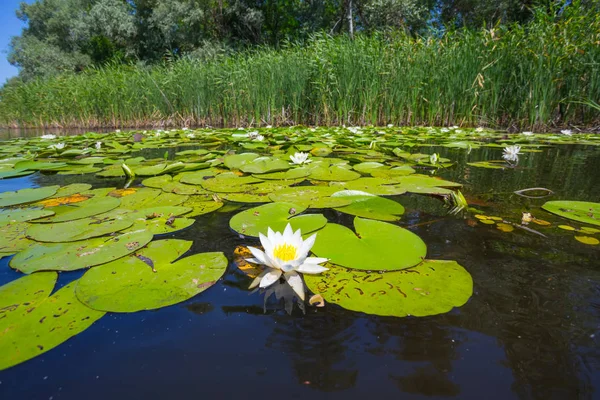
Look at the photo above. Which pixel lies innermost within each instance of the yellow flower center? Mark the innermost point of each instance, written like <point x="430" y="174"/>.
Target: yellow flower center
<point x="285" y="252"/>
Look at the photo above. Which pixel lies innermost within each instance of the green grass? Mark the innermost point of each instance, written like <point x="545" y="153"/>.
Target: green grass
<point x="541" y="75"/>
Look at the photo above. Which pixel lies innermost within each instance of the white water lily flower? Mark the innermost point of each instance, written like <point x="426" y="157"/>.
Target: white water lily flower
<point x="511" y="153"/>
<point x="57" y="146"/>
<point x="259" y="138"/>
<point x="48" y="137"/>
<point x="191" y="135"/>
<point x="567" y="132"/>
<point x="300" y="158"/>
<point x="285" y="254"/>
<point x="444" y="130"/>
<point x="269" y="126"/>
<point x="527" y="133"/>
<point x="433" y="159"/>
<point x="118" y="131"/>
<point x="98" y="145"/>
<point x="479" y="129"/>
<point x="185" y="128"/>
<point x="390" y="125"/>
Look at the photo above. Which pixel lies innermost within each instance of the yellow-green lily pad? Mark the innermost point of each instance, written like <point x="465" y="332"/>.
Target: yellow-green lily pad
<point x="375" y="246"/>
<point x="433" y="287"/>
<point x="151" y="278"/>
<point x="25" y="196"/>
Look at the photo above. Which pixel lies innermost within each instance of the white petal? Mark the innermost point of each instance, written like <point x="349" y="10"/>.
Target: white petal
<point x="266" y="244"/>
<point x="295" y="281"/>
<point x="258" y="254"/>
<point x="270" y="234"/>
<point x="316" y="260"/>
<point x="288" y="233"/>
<point x="306" y="246"/>
<point x="270" y="278"/>
<point x="257" y="280"/>
<point x="254" y="261"/>
<point x="311" y="269"/>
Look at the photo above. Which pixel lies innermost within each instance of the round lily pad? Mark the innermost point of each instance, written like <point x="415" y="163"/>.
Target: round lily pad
<point x="263" y="165"/>
<point x="276" y="216"/>
<point x="150" y="279"/>
<point x="31" y="332"/>
<point x="24" y="196"/>
<point x="78" y="255"/>
<point x="230" y="183"/>
<point x="376" y="246"/>
<point x="71" y="189"/>
<point x="333" y="173"/>
<point x="294" y="173"/>
<point x="76" y="230"/>
<point x="433" y="287"/>
<point x="582" y="211"/>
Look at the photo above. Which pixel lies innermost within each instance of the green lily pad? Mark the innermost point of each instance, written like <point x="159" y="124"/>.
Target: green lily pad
<point x="25" y="292"/>
<point x="493" y="164"/>
<point x="375" y="186"/>
<point x="150" y="279"/>
<point x="83" y="209"/>
<point x="402" y="170"/>
<point x="6" y="173"/>
<point x="431" y="288"/>
<point x="369" y="206"/>
<point x="294" y="173"/>
<point x="582" y="211"/>
<point x="236" y="161"/>
<point x="71" y="189"/>
<point x="78" y="255"/>
<point x="230" y="183"/>
<point x="333" y="173"/>
<point x="72" y="231"/>
<point x="310" y="196"/>
<point x="159" y="169"/>
<point x="368" y="167"/>
<point x="276" y="216"/>
<point x="23" y="214"/>
<point x="263" y="165"/>
<point x="24" y="196"/>
<point x="14" y="237"/>
<point x="379" y="246"/>
<point x="25" y="335"/>
<point x="200" y="206"/>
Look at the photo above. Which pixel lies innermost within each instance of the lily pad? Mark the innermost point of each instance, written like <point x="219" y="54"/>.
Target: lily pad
<point x="25" y="335"/>
<point x="78" y="255"/>
<point x="369" y="206"/>
<point x="333" y="173"/>
<point x="71" y="189"/>
<point x="150" y="279"/>
<point x="376" y="246"/>
<point x="26" y="291"/>
<point x="433" y="287"/>
<point x="229" y="183"/>
<point x="14" y="238"/>
<point x="263" y="165"/>
<point x="276" y="216"/>
<point x="582" y="211"/>
<point x="79" y="210"/>
<point x="24" y="196"/>
<point x="72" y="231"/>
<point x="294" y="173"/>
<point x="310" y="196"/>
<point x="23" y="214"/>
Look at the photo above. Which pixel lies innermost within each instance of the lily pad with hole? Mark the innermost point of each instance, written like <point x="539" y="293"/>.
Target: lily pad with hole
<point x="79" y="229"/>
<point x="25" y="196"/>
<point x="25" y="335"/>
<point x="375" y="246"/>
<point x="151" y="278"/>
<point x="433" y="287"/>
<point x="276" y="216"/>
<point x="582" y="211"/>
<point x="78" y="255"/>
<point x="71" y="189"/>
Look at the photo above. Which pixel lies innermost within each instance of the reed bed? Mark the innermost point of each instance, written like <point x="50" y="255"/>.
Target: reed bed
<point x="538" y="76"/>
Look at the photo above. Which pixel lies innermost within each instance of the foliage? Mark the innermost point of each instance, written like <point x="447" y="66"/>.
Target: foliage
<point x="531" y="76"/>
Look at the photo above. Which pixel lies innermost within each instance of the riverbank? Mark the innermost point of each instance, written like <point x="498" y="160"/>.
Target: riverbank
<point x="541" y="77"/>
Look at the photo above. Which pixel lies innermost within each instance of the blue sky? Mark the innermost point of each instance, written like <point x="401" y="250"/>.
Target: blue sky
<point x="10" y="25"/>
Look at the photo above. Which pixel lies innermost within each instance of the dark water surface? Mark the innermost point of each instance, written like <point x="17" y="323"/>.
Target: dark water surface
<point x="530" y="331"/>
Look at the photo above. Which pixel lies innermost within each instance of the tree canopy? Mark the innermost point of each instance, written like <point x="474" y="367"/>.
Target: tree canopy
<point x="71" y="35"/>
